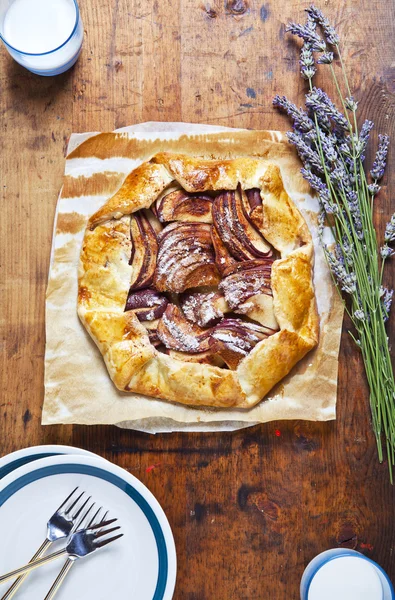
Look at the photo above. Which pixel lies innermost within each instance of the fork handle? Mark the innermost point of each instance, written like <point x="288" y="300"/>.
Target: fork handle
<point x="33" y="565"/>
<point x="18" y="582"/>
<point x="60" y="578"/>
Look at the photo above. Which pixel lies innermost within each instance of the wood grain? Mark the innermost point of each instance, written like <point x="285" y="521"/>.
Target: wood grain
<point x="248" y="509"/>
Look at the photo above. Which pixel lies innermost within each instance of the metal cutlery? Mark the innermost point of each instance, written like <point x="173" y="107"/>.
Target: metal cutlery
<point x="70" y="561"/>
<point x="59" y="526"/>
<point x="81" y="544"/>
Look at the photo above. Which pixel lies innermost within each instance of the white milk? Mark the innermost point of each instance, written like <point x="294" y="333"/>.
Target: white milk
<point x="34" y="27"/>
<point x="37" y="26"/>
<point x="346" y="578"/>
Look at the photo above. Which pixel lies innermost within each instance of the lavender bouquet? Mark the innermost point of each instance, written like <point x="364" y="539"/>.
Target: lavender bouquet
<point x="332" y="149"/>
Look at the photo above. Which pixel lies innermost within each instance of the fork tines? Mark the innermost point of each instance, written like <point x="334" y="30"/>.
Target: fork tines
<point x="78" y="524"/>
<point x="102" y="543"/>
<point x="100" y="531"/>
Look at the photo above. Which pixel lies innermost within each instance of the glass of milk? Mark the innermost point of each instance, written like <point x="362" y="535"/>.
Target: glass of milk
<point x="45" y="36"/>
<point x="342" y="574"/>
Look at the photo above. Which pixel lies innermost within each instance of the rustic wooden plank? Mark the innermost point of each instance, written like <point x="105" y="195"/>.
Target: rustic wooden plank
<point x="249" y="509"/>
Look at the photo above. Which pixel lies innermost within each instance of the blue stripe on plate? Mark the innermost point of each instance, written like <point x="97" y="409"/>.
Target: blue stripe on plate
<point x="15" y="486"/>
<point x="25" y="460"/>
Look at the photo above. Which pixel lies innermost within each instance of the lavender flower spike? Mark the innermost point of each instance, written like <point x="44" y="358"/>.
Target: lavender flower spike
<point x="300" y="118"/>
<point x="315" y="182"/>
<point x="307" y="154"/>
<point x="351" y="104"/>
<point x="374" y="188"/>
<point x="362" y="142"/>
<point x="389" y="235"/>
<point x="346" y="280"/>
<point x="360" y="315"/>
<point x="318" y="16"/>
<point x="381" y="157"/>
<point x="319" y="102"/>
<point x="323" y="192"/>
<point x="328" y="143"/>
<point x="308" y="35"/>
<point x="386" y="300"/>
<point x="326" y="58"/>
<point x="386" y="251"/>
<point x="307" y="64"/>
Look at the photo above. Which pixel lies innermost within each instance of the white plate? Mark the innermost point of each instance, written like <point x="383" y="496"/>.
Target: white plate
<point x="17" y="459"/>
<point x="139" y="566"/>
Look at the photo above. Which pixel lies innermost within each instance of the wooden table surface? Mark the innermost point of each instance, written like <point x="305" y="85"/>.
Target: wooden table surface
<point x="248" y="509"/>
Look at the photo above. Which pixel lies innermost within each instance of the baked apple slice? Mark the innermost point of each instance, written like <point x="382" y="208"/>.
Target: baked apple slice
<point x="207" y="358"/>
<point x="148" y="304"/>
<point x="233" y="339"/>
<point x="177" y="333"/>
<point x="236" y="229"/>
<point x="153" y="220"/>
<point x="181" y="206"/>
<point x="223" y="259"/>
<point x="203" y="308"/>
<point x="246" y="279"/>
<point x="254" y="199"/>
<point x="144" y="251"/>
<point x="260" y="308"/>
<point x="152" y="330"/>
<point x="185" y="257"/>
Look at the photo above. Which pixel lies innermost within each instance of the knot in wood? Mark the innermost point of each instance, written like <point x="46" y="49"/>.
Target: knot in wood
<point x="236" y="7"/>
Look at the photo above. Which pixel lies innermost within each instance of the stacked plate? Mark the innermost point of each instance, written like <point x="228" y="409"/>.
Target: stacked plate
<point x="35" y="481"/>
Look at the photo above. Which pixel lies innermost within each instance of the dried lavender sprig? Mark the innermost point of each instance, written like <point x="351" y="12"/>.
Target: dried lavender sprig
<point x="361" y="275"/>
<point x="374" y="188"/>
<point x="300" y="118"/>
<point x="359" y="315"/>
<point x="330" y="33"/>
<point x="361" y="142"/>
<point x="319" y="102"/>
<point x="324" y="196"/>
<point x="346" y="280"/>
<point x="306" y="153"/>
<point x="379" y="164"/>
<point x="355" y="211"/>
<point x="308" y="35"/>
<point x="326" y="58"/>
<point x="386" y="251"/>
<point x="389" y="235"/>
<point x="351" y="103"/>
<point x="340" y="178"/>
<point x="386" y="300"/>
<point x="307" y="63"/>
<point x="328" y="143"/>
<point x="348" y="249"/>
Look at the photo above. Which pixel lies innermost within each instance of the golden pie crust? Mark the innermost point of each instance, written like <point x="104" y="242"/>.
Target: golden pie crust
<point x="133" y="363"/>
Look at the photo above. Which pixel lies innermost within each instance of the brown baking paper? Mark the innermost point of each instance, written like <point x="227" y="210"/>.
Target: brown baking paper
<point x="78" y="388"/>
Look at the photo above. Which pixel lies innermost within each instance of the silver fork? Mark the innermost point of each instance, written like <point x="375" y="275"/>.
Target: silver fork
<point x="59" y="526"/>
<point x="70" y="561"/>
<point x="80" y="544"/>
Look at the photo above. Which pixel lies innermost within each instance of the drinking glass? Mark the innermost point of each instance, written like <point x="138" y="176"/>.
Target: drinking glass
<point x="55" y="60"/>
<point x="341" y="579"/>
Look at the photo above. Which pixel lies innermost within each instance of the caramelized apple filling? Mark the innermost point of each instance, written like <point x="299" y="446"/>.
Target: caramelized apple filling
<point x="201" y="276"/>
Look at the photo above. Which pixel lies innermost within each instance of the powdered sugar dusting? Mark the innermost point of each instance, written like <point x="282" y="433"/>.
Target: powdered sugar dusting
<point x="183" y="341"/>
<point x="182" y="249"/>
<point x="202" y="308"/>
<point x="240" y="286"/>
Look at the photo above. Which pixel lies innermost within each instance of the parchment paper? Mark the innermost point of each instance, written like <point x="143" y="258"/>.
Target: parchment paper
<point x="77" y="386"/>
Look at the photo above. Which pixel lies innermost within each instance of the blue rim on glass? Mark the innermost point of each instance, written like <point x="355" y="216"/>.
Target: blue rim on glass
<point x="163" y="561"/>
<point x="329" y="555"/>
<point x="77" y="18"/>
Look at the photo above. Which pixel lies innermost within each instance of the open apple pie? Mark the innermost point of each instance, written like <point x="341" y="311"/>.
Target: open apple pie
<point x="196" y="281"/>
